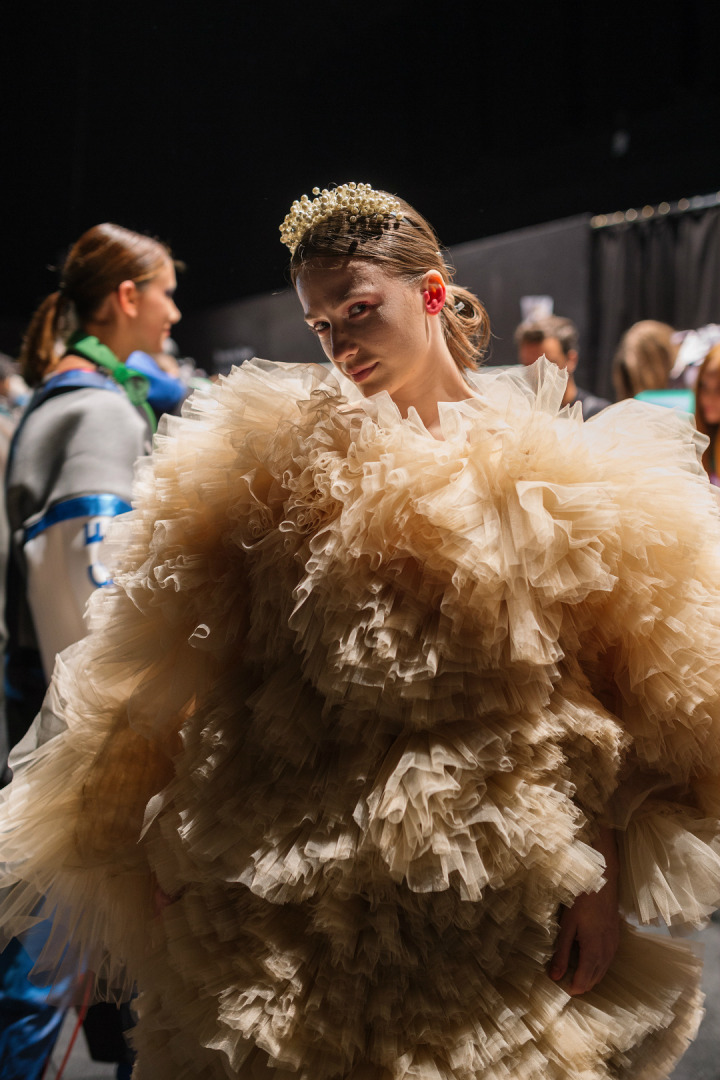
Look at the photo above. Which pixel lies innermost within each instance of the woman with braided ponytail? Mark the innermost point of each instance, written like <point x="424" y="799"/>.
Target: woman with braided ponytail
<point x="400" y="708"/>
<point x="72" y="459"/>
<point x="69" y="473"/>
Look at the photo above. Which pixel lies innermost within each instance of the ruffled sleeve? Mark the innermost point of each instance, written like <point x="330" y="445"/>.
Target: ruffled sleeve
<point x="658" y="638"/>
<point x="162" y="638"/>
<point x="648" y="645"/>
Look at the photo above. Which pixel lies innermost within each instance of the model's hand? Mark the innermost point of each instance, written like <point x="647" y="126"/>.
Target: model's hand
<point x="590" y="928"/>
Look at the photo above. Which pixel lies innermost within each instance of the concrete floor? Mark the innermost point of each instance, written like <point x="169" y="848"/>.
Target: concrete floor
<point x="79" y="1067"/>
<point x="701" y="1062"/>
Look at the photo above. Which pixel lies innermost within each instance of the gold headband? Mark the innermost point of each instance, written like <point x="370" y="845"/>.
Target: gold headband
<point x="357" y="201"/>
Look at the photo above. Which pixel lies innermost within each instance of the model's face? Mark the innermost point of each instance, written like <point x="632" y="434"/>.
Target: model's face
<point x="156" y="312"/>
<point x="708" y="395"/>
<point x="371" y="325"/>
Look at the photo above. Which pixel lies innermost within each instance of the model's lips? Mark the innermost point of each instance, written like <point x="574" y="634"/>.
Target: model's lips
<point x="358" y="374"/>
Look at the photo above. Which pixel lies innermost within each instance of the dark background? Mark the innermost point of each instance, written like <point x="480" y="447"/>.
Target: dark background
<point x="201" y="121"/>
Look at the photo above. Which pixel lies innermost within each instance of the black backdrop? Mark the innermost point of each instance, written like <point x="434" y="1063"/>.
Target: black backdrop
<point x="665" y="268"/>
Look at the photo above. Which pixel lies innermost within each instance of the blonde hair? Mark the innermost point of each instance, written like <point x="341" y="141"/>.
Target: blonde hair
<point x="407" y="249"/>
<point x="644" y="358"/>
<point x="97" y="264"/>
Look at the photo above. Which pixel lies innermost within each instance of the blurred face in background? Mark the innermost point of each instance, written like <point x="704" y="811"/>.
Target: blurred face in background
<point x="708" y="395"/>
<point x="155" y="310"/>
<point x="530" y="351"/>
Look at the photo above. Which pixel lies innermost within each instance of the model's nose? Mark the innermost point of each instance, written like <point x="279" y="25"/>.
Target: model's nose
<point x="342" y="346"/>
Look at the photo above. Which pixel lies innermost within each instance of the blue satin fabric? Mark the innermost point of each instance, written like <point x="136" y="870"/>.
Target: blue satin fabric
<point x="30" y="1016"/>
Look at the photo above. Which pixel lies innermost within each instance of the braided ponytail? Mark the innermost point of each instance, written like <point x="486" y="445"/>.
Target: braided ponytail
<point x="43" y="341"/>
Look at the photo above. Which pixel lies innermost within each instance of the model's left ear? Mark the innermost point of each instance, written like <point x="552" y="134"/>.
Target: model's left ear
<point x="127" y="295"/>
<point x="434" y="292"/>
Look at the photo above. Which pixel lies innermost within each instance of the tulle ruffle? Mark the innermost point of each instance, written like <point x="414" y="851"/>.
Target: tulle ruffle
<point x="359" y="698"/>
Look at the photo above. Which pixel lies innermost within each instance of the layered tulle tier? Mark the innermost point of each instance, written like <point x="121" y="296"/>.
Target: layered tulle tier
<point x="359" y="698"/>
<point x="423" y="993"/>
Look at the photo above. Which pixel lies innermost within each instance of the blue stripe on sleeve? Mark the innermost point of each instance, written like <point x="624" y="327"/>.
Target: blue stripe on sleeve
<point x="82" y="506"/>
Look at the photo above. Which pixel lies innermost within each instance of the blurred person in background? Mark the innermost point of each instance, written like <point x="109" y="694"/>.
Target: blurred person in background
<point x="69" y="473"/>
<point x="644" y="359"/>
<point x="707" y="409"/>
<point x="692" y="348"/>
<point x="14" y="392"/>
<point x="11" y="385"/>
<point x="557" y="338"/>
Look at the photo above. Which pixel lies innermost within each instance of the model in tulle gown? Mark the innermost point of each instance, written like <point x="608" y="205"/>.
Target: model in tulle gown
<point x="404" y="706"/>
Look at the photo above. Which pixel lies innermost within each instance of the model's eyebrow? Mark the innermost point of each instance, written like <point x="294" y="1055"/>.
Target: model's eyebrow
<point x="341" y="299"/>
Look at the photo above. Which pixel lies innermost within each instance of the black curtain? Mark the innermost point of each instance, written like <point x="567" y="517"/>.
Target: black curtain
<point x="665" y="268"/>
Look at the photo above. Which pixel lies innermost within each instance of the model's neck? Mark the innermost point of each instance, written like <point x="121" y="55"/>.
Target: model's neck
<point x="442" y="381"/>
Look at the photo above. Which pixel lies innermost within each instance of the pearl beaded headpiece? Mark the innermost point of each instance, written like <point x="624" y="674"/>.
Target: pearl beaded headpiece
<point x="357" y="201"/>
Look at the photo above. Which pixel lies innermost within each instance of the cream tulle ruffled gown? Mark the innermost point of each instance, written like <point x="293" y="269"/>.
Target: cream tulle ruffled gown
<point x="360" y="698"/>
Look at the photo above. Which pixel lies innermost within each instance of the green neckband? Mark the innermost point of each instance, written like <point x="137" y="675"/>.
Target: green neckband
<point x="134" y="383"/>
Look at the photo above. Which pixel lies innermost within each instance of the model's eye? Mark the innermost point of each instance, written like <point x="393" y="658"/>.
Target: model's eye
<point x="319" y="327"/>
<point x="357" y="309"/>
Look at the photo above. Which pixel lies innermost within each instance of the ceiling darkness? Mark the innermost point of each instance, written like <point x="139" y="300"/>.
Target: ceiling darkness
<point x="201" y="121"/>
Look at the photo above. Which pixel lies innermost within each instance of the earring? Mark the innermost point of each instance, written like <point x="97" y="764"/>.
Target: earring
<point x="434" y="297"/>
